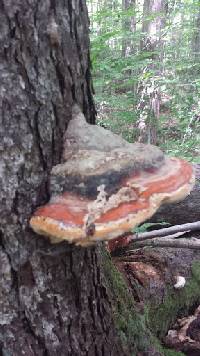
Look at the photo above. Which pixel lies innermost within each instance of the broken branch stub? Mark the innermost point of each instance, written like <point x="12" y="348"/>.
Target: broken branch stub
<point x="107" y="186"/>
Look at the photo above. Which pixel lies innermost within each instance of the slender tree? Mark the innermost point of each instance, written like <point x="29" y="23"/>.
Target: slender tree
<point x="196" y="36"/>
<point x="129" y="27"/>
<point x="154" y="12"/>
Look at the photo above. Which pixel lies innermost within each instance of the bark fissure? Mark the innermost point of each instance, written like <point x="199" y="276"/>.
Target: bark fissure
<point x="53" y="6"/>
<point x="29" y="329"/>
<point x="70" y="18"/>
<point x="59" y="74"/>
<point x="36" y="131"/>
<point x="58" y="312"/>
<point x="79" y="52"/>
<point x="73" y="88"/>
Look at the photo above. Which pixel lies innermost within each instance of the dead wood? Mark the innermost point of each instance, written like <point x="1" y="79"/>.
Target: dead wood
<point x="191" y="243"/>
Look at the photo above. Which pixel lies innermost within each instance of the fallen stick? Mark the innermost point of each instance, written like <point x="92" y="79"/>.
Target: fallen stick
<point x="190" y="243"/>
<point x="166" y="231"/>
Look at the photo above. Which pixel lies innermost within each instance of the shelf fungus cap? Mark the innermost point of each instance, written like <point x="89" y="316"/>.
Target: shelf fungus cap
<point x="107" y="186"/>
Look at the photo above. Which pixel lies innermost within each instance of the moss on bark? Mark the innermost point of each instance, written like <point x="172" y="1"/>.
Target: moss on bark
<point x="131" y="325"/>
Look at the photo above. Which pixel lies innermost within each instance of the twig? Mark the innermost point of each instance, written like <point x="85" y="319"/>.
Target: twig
<point x="190" y="243"/>
<point x="166" y="231"/>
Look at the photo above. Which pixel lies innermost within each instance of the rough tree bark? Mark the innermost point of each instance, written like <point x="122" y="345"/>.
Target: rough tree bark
<point x="53" y="300"/>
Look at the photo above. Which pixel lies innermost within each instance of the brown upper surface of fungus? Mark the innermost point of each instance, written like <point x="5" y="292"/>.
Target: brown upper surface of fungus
<point x="106" y="186"/>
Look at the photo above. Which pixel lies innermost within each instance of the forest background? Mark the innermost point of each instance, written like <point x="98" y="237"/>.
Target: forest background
<point x="146" y="71"/>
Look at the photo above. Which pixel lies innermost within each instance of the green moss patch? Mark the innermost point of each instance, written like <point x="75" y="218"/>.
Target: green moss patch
<point x="130" y="324"/>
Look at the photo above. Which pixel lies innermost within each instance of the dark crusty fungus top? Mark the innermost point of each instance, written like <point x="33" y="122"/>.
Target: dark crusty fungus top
<point x="107" y="186"/>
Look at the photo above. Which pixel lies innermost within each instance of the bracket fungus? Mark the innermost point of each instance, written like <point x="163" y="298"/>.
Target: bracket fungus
<point x="107" y="186"/>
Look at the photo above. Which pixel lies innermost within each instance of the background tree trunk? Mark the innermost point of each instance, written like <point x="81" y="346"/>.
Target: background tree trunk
<point x="129" y="27"/>
<point x="196" y="35"/>
<point x="154" y="13"/>
<point x="53" y="299"/>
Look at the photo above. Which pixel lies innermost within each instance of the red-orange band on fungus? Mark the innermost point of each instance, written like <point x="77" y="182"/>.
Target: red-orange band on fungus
<point x="182" y="177"/>
<point x="174" y="182"/>
<point x="60" y="212"/>
<point x="122" y="211"/>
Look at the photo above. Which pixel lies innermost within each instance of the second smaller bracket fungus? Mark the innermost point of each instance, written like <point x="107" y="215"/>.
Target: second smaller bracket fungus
<point x="105" y="190"/>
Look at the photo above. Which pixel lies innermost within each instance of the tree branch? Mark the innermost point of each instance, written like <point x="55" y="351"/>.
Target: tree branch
<point x="166" y="231"/>
<point x="191" y="243"/>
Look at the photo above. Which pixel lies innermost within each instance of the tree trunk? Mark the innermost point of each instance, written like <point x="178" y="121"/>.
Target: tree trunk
<point x="129" y="27"/>
<point x="53" y="299"/>
<point x="196" y="35"/>
<point x="154" y="12"/>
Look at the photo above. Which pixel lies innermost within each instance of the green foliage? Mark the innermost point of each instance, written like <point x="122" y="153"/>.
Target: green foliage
<point x="144" y="227"/>
<point x="172" y="65"/>
<point x="173" y="353"/>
